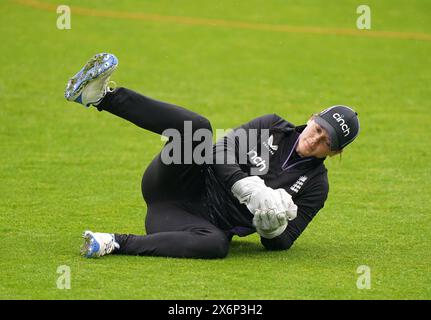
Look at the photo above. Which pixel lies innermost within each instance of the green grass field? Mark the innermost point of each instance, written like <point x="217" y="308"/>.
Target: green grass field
<point x="65" y="168"/>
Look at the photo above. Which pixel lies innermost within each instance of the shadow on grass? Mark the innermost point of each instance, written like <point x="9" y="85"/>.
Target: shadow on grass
<point x="241" y="248"/>
<point x="245" y="248"/>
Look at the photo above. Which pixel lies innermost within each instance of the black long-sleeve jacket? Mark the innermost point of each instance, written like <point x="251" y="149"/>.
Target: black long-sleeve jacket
<point x="305" y="179"/>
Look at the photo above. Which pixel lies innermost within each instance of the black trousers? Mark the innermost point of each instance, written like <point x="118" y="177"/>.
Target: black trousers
<point x="174" y="225"/>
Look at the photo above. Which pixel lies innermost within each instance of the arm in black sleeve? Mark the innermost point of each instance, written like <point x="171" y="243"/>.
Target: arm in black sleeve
<point x="309" y="203"/>
<point x="229" y="148"/>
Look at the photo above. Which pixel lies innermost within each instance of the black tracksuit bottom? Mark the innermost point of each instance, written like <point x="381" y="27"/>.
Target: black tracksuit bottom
<point x="173" y="229"/>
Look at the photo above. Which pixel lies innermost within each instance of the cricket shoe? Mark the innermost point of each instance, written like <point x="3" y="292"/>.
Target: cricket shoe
<point x="98" y="244"/>
<point x="90" y="84"/>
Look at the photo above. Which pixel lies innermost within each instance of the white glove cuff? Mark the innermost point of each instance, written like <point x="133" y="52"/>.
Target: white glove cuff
<point x="243" y="187"/>
<point x="288" y="205"/>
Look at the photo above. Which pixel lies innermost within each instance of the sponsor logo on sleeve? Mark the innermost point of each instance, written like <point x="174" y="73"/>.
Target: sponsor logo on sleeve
<point x="270" y="145"/>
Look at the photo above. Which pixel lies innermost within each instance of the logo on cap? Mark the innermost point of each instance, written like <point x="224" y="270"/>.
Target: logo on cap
<point x="342" y="123"/>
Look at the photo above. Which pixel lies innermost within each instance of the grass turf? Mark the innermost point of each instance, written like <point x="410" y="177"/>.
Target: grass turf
<point x="65" y="169"/>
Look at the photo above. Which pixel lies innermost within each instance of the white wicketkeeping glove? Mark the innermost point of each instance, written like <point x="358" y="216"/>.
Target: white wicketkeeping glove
<point x="253" y="192"/>
<point x="269" y="224"/>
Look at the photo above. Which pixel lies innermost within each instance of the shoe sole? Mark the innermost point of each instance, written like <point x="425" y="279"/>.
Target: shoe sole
<point x="86" y="249"/>
<point x="102" y="63"/>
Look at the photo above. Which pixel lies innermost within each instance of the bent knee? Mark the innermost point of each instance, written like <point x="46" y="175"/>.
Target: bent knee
<point x="220" y="250"/>
<point x="214" y="245"/>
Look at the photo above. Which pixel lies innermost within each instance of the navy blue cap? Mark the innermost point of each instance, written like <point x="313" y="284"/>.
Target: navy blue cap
<point x="341" y="123"/>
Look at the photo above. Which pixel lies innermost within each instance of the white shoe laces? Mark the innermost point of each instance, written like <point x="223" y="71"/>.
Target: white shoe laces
<point x="110" y="246"/>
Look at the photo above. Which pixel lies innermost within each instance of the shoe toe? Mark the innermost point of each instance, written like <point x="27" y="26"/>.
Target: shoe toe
<point x="90" y="247"/>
